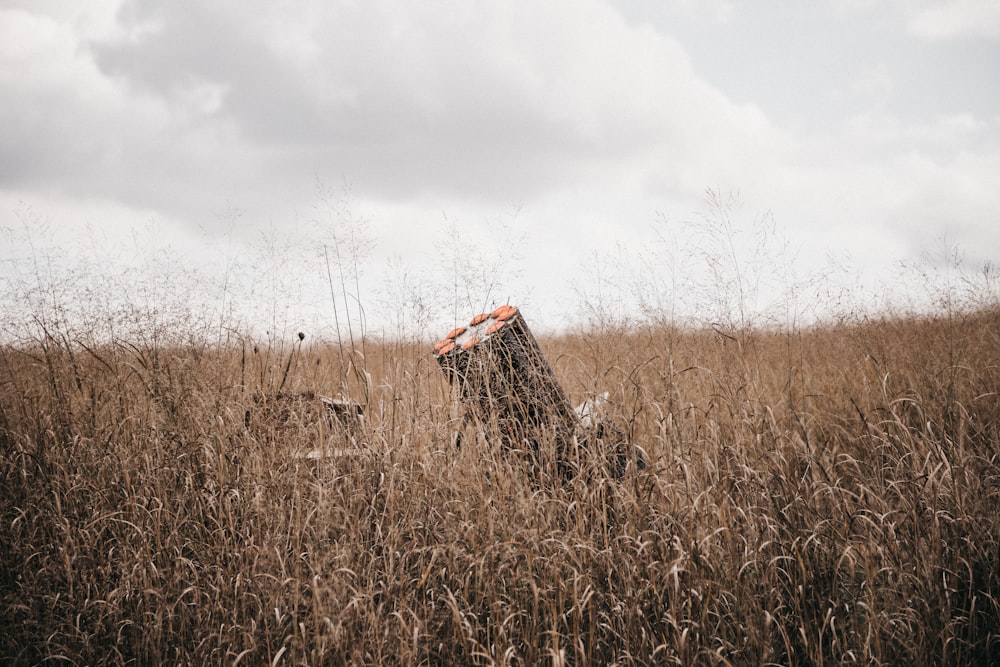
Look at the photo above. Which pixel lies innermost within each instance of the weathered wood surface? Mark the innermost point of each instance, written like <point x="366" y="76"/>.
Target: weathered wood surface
<point x="511" y="393"/>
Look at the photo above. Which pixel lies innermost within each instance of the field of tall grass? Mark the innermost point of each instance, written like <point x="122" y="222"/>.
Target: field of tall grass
<point x="816" y="496"/>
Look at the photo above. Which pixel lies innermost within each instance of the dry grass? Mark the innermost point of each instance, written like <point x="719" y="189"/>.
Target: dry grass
<point x="823" y="497"/>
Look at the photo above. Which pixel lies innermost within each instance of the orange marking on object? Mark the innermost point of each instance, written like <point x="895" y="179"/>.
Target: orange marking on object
<point x="448" y="347"/>
<point x="471" y="342"/>
<point x="454" y="333"/>
<point x="479" y="319"/>
<point x="504" y="313"/>
<point x="495" y="327"/>
<point x="440" y="345"/>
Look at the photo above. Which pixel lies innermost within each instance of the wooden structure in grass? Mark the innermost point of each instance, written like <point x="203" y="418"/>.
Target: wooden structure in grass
<point x="331" y="427"/>
<point x="509" y="389"/>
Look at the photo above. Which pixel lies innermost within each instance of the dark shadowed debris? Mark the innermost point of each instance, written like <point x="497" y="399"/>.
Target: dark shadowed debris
<point x="315" y="426"/>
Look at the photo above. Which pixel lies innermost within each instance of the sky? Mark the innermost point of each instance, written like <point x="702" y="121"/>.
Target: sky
<point x="409" y="164"/>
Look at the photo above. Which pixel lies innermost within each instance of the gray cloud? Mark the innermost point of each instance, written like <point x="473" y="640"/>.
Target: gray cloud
<point x="478" y="101"/>
<point x="591" y="115"/>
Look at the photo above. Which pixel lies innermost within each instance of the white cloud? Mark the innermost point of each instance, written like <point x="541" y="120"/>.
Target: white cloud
<point x="178" y="110"/>
<point x="718" y="10"/>
<point x="957" y="19"/>
<point x="879" y="134"/>
<point x="478" y="100"/>
<point x="873" y="85"/>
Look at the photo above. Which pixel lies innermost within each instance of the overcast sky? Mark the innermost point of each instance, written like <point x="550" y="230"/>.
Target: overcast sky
<point x="573" y="139"/>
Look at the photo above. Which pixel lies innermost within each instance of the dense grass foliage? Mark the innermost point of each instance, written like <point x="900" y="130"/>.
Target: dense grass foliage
<point x="827" y="496"/>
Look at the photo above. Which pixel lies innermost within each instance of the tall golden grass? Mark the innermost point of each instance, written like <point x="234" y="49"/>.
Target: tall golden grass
<point x="826" y="496"/>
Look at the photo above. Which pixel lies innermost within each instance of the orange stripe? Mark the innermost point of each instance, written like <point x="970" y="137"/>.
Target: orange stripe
<point x="504" y="313"/>
<point x="479" y="319"/>
<point x="471" y="342"/>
